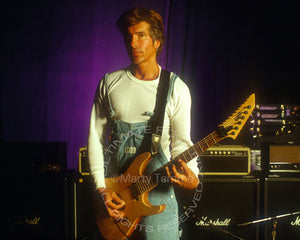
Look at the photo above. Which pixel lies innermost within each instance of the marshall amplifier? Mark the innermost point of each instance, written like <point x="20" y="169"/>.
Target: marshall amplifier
<point x="217" y="206"/>
<point x="36" y="208"/>
<point x="35" y="203"/>
<point x="282" y="197"/>
<point x="225" y="160"/>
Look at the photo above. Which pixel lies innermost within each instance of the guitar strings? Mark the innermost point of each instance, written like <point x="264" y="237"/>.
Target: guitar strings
<point x="236" y="113"/>
<point x="142" y="186"/>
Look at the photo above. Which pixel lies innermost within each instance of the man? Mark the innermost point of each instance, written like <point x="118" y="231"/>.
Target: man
<point x="123" y="105"/>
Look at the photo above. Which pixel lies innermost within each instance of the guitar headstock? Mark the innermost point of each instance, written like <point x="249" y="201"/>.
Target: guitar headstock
<point x="234" y="124"/>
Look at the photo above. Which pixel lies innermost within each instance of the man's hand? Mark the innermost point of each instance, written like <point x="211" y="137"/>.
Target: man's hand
<point x="113" y="203"/>
<point x="187" y="179"/>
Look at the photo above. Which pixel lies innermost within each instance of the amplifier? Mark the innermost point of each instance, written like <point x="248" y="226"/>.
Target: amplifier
<point x="34" y="158"/>
<point x="284" y="158"/>
<point x="35" y="208"/>
<point x="83" y="166"/>
<point x="217" y="206"/>
<point x="225" y="160"/>
<point x="279" y="158"/>
<point x="282" y="197"/>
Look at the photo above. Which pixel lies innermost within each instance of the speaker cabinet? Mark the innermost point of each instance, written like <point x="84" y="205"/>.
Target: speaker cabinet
<point x="282" y="196"/>
<point x="83" y="212"/>
<point x="34" y="199"/>
<point x="217" y="206"/>
<point x="37" y="208"/>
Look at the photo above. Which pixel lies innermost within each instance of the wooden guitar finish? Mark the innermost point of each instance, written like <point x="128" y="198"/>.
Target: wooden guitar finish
<point x="133" y="187"/>
<point x="137" y="206"/>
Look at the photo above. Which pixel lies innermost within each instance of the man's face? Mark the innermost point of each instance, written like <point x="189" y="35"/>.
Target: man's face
<point x="140" y="46"/>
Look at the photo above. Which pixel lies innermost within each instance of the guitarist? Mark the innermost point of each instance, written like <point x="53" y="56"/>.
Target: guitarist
<point x="123" y="105"/>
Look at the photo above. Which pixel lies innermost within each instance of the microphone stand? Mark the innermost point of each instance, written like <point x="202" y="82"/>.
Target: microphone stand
<point x="269" y="219"/>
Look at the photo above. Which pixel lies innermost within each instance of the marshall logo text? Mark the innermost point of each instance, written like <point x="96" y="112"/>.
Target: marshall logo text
<point x="296" y="222"/>
<point x="204" y="221"/>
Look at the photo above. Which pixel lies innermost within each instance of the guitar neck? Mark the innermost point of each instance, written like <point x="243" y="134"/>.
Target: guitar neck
<point x="230" y="128"/>
<point x="188" y="155"/>
<point x="200" y="147"/>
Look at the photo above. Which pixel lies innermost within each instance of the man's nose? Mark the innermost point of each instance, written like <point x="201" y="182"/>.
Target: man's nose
<point x="133" y="42"/>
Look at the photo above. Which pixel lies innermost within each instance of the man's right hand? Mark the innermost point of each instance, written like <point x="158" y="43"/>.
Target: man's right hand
<point x="113" y="203"/>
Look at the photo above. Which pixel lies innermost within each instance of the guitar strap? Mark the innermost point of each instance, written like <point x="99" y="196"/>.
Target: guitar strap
<point x="157" y="119"/>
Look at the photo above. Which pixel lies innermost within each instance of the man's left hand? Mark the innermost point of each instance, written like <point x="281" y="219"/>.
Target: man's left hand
<point x="187" y="179"/>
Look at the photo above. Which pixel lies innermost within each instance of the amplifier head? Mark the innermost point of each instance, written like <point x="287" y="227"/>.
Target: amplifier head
<point x="281" y="159"/>
<point x="225" y="160"/>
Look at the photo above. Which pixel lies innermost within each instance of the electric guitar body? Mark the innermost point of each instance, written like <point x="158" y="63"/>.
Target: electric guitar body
<point x="133" y="186"/>
<point x="136" y="207"/>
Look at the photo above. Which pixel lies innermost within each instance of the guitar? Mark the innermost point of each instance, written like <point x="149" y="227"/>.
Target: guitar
<point x="136" y="187"/>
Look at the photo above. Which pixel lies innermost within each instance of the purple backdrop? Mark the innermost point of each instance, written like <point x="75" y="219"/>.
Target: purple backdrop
<point x="55" y="52"/>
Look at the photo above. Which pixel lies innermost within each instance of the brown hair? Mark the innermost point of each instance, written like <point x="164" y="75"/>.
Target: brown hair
<point x="137" y="15"/>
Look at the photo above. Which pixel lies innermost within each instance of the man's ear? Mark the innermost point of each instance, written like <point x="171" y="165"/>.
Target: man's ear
<point x="156" y="44"/>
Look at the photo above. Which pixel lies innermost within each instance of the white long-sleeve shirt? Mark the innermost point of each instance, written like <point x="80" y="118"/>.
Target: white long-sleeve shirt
<point x="131" y="98"/>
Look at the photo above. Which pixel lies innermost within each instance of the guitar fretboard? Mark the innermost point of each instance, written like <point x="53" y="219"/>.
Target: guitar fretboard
<point x="147" y="183"/>
<point x="200" y="147"/>
<point x="230" y="128"/>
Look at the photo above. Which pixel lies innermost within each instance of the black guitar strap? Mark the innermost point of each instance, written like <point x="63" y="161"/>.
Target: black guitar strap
<point x="157" y="119"/>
